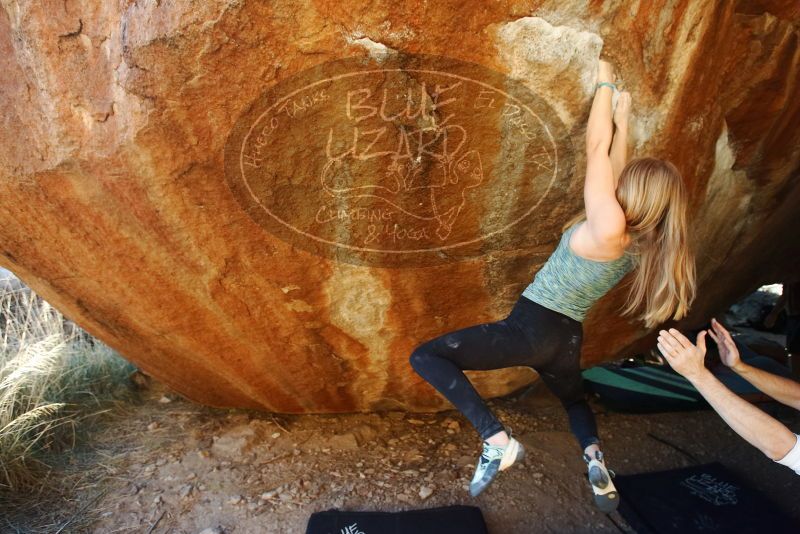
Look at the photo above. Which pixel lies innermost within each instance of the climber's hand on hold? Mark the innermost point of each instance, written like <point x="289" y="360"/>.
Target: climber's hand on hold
<point x="605" y="72"/>
<point x="623" y="108"/>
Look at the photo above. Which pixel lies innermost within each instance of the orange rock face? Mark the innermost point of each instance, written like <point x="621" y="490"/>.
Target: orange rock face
<point x="271" y="206"/>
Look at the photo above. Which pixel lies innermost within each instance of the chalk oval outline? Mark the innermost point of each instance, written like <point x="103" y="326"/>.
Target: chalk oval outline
<point x="361" y="72"/>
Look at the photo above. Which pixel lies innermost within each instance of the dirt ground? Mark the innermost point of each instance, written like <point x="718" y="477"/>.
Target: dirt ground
<point x="166" y="465"/>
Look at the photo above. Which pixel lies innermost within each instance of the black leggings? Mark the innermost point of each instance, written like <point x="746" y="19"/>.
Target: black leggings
<point x="531" y="336"/>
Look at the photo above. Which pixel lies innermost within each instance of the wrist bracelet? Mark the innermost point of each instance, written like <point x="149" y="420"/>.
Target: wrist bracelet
<point x="609" y="84"/>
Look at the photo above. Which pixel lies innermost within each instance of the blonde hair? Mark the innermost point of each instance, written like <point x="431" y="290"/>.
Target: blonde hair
<point x="654" y="199"/>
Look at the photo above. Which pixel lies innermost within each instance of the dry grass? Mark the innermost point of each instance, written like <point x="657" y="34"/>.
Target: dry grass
<point x="56" y="381"/>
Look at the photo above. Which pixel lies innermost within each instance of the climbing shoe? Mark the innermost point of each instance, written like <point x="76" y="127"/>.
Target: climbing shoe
<point x="605" y="494"/>
<point x="493" y="459"/>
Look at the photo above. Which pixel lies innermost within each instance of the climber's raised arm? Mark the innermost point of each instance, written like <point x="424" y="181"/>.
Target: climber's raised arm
<point x="604" y="216"/>
<point x="619" y="145"/>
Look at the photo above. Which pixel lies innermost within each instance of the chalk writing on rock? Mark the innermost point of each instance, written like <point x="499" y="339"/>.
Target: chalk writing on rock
<point x="416" y="160"/>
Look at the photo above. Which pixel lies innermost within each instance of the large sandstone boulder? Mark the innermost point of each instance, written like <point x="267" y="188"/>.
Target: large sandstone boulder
<point x="271" y="204"/>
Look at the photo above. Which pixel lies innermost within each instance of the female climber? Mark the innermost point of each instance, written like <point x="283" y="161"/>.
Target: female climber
<point x="634" y="219"/>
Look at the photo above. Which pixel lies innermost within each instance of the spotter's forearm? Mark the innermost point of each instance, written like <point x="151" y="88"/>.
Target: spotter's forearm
<point x="781" y="389"/>
<point x="756" y="427"/>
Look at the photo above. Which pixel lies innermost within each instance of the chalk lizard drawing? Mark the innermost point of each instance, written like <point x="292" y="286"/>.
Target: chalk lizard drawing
<point x="446" y="180"/>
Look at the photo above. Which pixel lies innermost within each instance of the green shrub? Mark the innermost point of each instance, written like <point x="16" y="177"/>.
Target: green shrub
<point x="54" y="377"/>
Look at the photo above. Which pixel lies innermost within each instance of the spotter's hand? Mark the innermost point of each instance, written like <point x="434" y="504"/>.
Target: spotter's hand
<point x="728" y="352"/>
<point x="686" y="358"/>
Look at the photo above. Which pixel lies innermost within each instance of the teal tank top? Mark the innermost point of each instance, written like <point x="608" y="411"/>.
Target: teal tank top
<point x="570" y="284"/>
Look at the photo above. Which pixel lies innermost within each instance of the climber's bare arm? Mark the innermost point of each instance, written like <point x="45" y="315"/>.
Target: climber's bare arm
<point x="605" y="219"/>
<point x="619" y="145"/>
